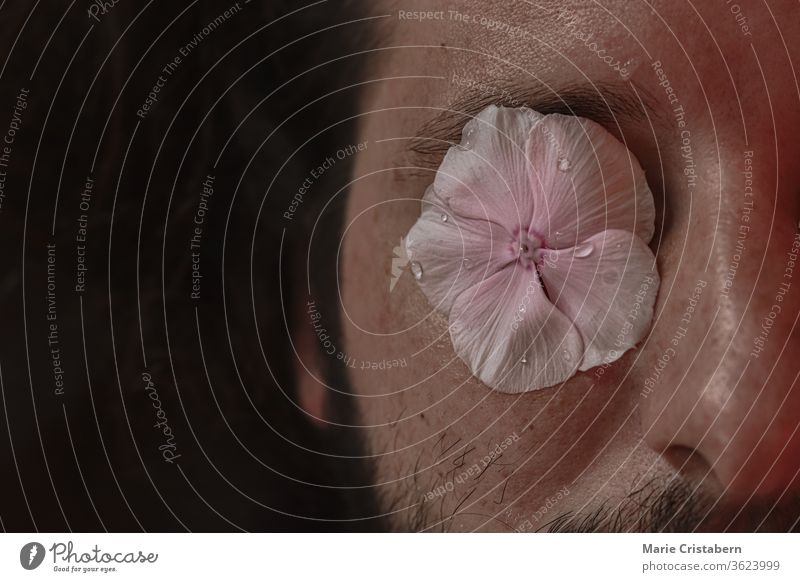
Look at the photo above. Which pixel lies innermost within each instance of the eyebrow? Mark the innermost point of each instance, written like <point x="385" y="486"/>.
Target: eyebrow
<point x="609" y="104"/>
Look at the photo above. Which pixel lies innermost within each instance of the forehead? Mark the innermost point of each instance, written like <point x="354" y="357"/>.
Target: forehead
<point x="717" y="56"/>
<point x="507" y="33"/>
<point x="551" y="40"/>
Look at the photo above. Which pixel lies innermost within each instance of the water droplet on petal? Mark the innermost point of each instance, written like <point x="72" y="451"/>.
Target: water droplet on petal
<point x="444" y="218"/>
<point x="416" y="270"/>
<point x="584" y="250"/>
<point x="467" y="138"/>
<point x="566" y="355"/>
<point x="564" y="165"/>
<point x="523" y="359"/>
<point x="467" y="264"/>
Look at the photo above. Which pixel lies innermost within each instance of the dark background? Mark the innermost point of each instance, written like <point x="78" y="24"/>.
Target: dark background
<point x="88" y="459"/>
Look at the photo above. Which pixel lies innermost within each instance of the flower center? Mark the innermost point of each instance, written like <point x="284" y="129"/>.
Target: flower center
<point x="527" y="249"/>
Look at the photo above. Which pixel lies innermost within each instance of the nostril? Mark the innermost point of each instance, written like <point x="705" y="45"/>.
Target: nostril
<point x="693" y="466"/>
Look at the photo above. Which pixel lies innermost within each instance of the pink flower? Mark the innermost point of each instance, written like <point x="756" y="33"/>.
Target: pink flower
<point x="533" y="241"/>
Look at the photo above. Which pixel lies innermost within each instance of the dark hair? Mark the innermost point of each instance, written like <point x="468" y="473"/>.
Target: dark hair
<point x="257" y="96"/>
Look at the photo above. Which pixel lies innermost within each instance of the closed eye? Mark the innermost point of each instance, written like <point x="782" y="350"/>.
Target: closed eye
<point x="612" y="105"/>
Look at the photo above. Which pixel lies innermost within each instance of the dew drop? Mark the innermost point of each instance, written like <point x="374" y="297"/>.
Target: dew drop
<point x="524" y="359"/>
<point x="566" y="355"/>
<point x="467" y="264"/>
<point x="416" y="270"/>
<point x="564" y="165"/>
<point x="584" y="250"/>
<point x="444" y="218"/>
<point x="467" y="138"/>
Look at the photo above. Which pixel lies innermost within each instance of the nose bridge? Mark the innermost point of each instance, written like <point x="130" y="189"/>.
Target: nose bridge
<point x="728" y="334"/>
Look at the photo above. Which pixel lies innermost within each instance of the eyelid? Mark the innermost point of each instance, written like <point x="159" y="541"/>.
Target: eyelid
<point x="610" y="105"/>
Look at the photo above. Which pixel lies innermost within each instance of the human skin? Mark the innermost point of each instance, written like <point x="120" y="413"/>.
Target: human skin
<point x="720" y="421"/>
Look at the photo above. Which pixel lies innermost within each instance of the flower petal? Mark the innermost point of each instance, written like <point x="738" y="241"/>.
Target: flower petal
<point x="607" y="287"/>
<point x="487" y="176"/>
<point x="454" y="253"/>
<point x="510" y="335"/>
<point x="589" y="182"/>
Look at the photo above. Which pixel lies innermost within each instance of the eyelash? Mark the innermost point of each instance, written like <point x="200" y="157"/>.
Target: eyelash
<point x="435" y="137"/>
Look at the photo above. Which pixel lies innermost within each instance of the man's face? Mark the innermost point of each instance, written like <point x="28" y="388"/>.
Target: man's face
<point x="697" y="426"/>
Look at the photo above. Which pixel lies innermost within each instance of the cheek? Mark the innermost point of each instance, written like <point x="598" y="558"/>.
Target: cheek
<point x="385" y="320"/>
<point x="414" y="392"/>
<point x="396" y="346"/>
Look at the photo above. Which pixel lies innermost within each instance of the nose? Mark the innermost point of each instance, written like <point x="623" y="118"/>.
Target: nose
<point x="719" y="381"/>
